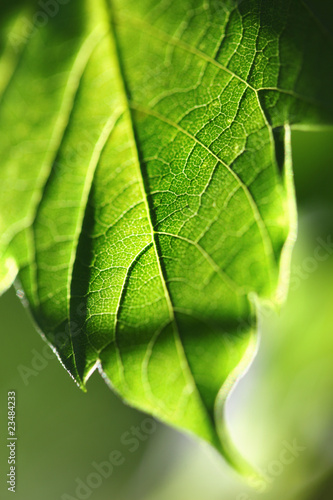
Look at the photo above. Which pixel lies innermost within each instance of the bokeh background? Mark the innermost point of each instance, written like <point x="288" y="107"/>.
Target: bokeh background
<point x="284" y="402"/>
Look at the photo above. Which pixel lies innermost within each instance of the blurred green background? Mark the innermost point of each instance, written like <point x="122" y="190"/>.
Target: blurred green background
<point x="280" y="414"/>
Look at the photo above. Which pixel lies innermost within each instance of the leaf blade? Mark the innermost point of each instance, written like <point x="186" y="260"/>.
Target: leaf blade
<point x="160" y="207"/>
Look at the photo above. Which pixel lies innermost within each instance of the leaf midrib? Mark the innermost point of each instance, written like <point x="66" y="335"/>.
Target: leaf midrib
<point x="184" y="363"/>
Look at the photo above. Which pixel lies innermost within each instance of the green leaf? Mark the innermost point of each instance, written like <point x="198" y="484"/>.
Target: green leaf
<point x="146" y="187"/>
